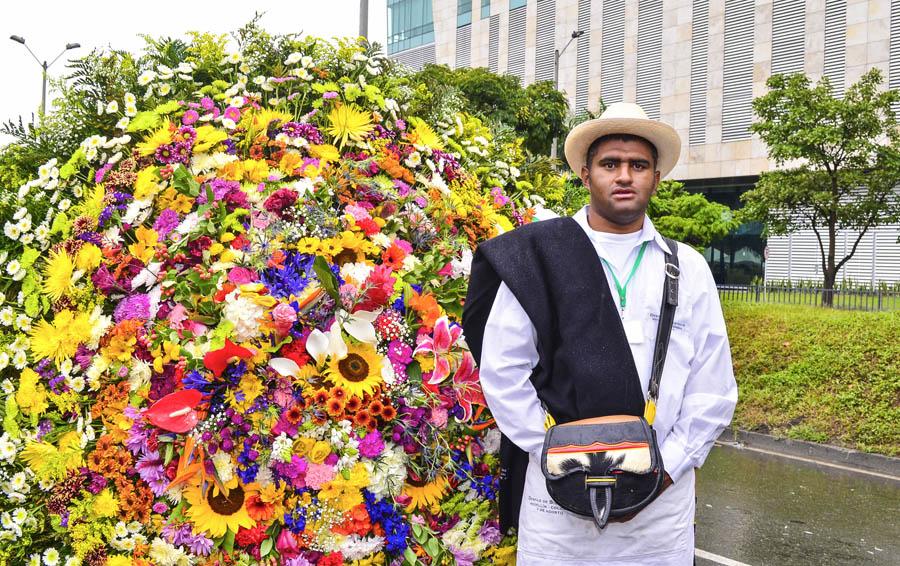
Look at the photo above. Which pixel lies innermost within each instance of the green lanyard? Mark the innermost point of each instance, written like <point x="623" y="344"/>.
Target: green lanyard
<point x="623" y="288"/>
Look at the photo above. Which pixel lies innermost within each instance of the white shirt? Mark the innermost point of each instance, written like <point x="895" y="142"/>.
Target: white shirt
<point x="696" y="401"/>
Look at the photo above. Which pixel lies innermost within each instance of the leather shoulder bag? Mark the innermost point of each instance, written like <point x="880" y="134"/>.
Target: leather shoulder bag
<point x="610" y="466"/>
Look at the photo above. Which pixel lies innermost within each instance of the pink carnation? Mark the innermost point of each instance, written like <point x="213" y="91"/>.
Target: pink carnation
<point x="318" y="475"/>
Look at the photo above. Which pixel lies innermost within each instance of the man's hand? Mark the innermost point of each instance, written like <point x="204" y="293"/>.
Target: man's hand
<point x="667" y="481"/>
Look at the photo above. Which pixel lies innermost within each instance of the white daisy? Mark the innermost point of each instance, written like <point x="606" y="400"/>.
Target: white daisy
<point x="51" y="557"/>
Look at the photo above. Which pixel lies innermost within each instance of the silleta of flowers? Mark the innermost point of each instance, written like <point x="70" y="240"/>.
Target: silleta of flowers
<point x="230" y="336"/>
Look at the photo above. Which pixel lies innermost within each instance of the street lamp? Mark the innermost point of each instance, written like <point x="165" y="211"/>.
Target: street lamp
<point x="556" y="55"/>
<point x="44" y="65"/>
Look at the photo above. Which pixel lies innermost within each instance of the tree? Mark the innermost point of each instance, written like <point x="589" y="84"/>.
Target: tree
<point x="840" y="159"/>
<point x="537" y="112"/>
<point x="689" y="217"/>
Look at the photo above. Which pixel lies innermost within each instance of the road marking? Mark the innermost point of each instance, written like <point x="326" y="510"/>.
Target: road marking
<point x="809" y="460"/>
<point x="717" y="559"/>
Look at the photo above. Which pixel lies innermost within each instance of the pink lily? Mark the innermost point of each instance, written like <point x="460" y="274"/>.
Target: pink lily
<point x="467" y="386"/>
<point x="440" y="343"/>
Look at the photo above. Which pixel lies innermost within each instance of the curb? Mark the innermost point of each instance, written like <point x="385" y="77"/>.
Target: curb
<point x="825" y="453"/>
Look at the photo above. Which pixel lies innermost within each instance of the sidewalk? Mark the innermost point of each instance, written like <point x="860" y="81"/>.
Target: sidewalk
<point x="833" y="456"/>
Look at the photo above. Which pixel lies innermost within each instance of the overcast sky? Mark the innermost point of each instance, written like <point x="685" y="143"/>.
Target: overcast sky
<point x="48" y="25"/>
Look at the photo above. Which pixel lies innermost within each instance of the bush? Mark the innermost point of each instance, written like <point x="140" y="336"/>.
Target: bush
<point x="822" y="375"/>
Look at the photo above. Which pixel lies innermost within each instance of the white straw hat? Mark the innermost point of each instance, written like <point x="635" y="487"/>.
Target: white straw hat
<point x="624" y="118"/>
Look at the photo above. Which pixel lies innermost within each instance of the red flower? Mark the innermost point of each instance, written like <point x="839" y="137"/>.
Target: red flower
<point x="251" y="537"/>
<point x="333" y="559"/>
<point x="379" y="287"/>
<point x="296" y="351"/>
<point x="217" y="360"/>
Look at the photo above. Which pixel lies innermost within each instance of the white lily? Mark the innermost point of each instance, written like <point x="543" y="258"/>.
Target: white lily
<point x="359" y="325"/>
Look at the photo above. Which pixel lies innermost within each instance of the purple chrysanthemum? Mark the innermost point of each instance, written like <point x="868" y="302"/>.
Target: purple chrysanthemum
<point x="135" y="306"/>
<point x="166" y="222"/>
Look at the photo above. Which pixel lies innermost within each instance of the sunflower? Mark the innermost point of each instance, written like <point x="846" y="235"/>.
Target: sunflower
<point x="214" y="512"/>
<point x="59" y="275"/>
<point x="359" y="372"/>
<point x="348" y="123"/>
<point x="425" y="494"/>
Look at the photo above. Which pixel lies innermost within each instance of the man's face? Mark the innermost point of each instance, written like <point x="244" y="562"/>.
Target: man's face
<point x="621" y="178"/>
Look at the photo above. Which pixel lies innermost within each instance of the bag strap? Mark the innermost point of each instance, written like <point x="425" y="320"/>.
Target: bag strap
<point x="664" y="330"/>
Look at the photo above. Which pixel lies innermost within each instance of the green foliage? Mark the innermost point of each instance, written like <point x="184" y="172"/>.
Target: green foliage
<point x="536" y="112"/>
<point x="689" y="217"/>
<point x="849" y="153"/>
<point x="821" y="375"/>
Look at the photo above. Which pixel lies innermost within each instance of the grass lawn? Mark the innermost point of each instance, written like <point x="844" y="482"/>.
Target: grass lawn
<point x="818" y="374"/>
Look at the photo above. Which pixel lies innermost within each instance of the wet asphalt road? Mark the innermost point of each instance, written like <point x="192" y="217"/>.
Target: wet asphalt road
<point x="760" y="510"/>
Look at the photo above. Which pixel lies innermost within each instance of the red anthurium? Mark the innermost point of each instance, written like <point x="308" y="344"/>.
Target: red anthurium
<point x="217" y="360"/>
<point x="175" y="412"/>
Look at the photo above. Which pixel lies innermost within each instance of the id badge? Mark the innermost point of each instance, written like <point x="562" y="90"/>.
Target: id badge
<point x="634" y="331"/>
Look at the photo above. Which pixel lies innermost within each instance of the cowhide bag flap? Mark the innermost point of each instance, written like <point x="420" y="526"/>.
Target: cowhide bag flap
<point x="602" y="467"/>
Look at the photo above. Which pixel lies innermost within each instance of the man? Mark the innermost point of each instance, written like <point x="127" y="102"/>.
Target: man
<point x="563" y="314"/>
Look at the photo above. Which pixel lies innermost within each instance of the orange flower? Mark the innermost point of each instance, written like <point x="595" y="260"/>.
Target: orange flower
<point x="375" y="407"/>
<point x="338" y="392"/>
<point x="363" y="418"/>
<point x="388" y="413"/>
<point x="258" y="509"/>
<point x="427" y="307"/>
<point x="321" y="397"/>
<point x="353" y="404"/>
<point x="393" y="257"/>
<point x="335" y="407"/>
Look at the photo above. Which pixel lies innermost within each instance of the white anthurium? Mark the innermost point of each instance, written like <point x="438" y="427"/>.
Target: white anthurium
<point x="321" y="345"/>
<point x="359" y="325"/>
<point x="284" y="367"/>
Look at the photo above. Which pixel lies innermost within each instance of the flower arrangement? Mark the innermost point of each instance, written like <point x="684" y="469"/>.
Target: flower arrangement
<point x="230" y="331"/>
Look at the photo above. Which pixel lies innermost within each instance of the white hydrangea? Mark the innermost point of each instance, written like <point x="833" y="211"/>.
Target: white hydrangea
<point x="244" y="314"/>
<point x="388" y="472"/>
<point x="224" y="466"/>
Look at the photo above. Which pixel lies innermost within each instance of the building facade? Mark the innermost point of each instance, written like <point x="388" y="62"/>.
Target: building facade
<point x="696" y="64"/>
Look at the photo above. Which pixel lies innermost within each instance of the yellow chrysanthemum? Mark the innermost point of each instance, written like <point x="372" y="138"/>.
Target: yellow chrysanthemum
<point x="344" y="493"/>
<point x="118" y="560"/>
<point x="325" y="153"/>
<point x="88" y="257"/>
<point x="348" y="123"/>
<point x="50" y="462"/>
<point x="105" y="504"/>
<point x="424" y="495"/>
<point x="59" y="340"/>
<point x="207" y="138"/>
<point x="214" y="512"/>
<point x="92" y="205"/>
<point x="162" y="136"/>
<point x="59" y="275"/>
<point x="31" y="397"/>
<point x="422" y="134"/>
<point x="359" y="372"/>
<point x="146" y="185"/>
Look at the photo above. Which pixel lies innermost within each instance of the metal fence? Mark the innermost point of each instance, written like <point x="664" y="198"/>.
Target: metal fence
<point x="848" y="299"/>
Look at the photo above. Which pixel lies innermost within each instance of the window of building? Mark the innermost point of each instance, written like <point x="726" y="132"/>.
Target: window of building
<point x="485" y="9"/>
<point x="513" y="4"/>
<point x="410" y="24"/>
<point x="463" y="13"/>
